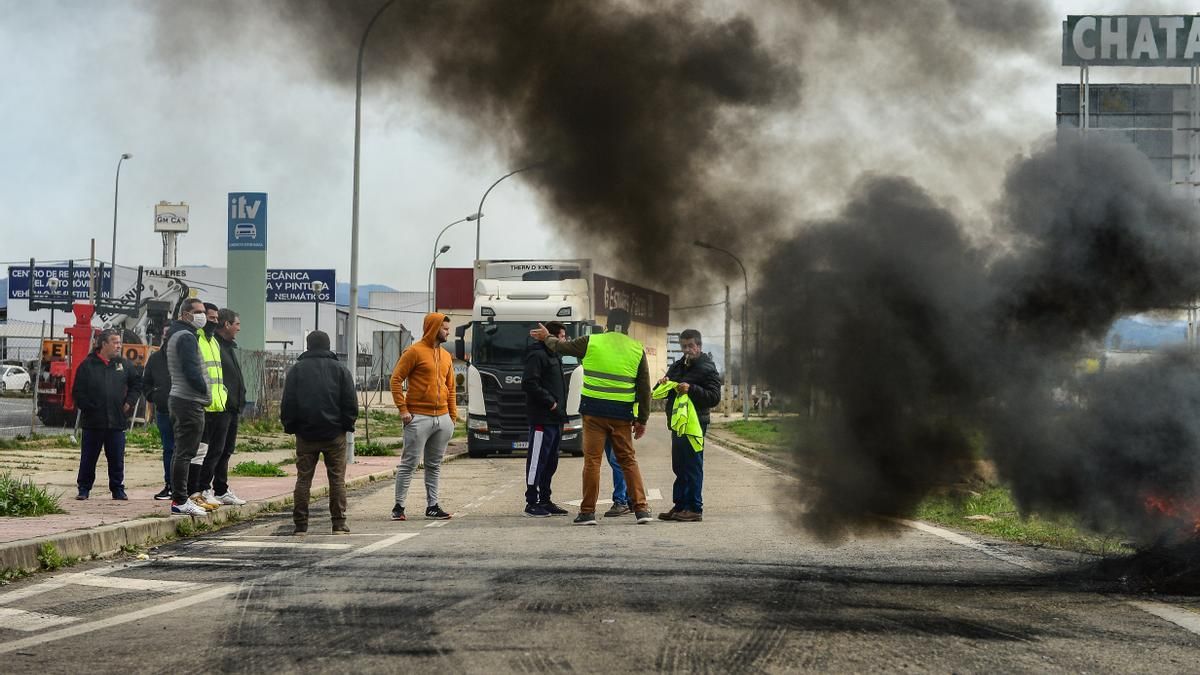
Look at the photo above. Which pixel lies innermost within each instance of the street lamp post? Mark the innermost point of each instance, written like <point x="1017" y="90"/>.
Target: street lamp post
<point x="745" y="328"/>
<point x="352" y="328"/>
<point x="318" y="287"/>
<point x="116" y="192"/>
<point x="438" y="240"/>
<point x="479" y="211"/>
<point x="429" y="284"/>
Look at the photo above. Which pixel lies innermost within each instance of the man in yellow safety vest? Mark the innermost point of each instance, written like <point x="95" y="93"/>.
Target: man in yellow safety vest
<point x="615" y="405"/>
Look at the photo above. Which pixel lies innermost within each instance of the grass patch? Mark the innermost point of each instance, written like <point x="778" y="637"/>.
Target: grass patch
<point x="373" y="450"/>
<point x="1003" y="521"/>
<point x="11" y="574"/>
<point x="146" y="437"/>
<point x="252" y="444"/>
<point x="50" y="559"/>
<point x="760" y="431"/>
<point x="261" y="426"/>
<point x="20" y="497"/>
<point x="260" y="469"/>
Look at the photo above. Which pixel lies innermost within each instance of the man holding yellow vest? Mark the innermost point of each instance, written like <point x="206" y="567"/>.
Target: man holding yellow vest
<point x="615" y="405"/>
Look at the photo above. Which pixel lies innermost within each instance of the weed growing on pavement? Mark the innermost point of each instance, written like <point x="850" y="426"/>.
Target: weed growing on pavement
<point x="11" y="574"/>
<point x="20" y="497"/>
<point x="373" y="450"/>
<point x="259" y="469"/>
<point x="50" y="559"/>
<point x="185" y="527"/>
<point x="992" y="512"/>
<point x="132" y="549"/>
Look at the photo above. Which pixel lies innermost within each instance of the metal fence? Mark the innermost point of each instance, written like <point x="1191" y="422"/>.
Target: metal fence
<point x="18" y="416"/>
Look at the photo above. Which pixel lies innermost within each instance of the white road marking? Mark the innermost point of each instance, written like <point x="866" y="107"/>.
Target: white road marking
<point x="233" y="543"/>
<point x="369" y="548"/>
<point x="128" y="583"/>
<point x="83" y="628"/>
<point x="487" y="498"/>
<point x="471" y="505"/>
<point x="438" y="523"/>
<point x="48" y="585"/>
<point x="956" y="538"/>
<point x="186" y="558"/>
<point x="1183" y="618"/>
<point x="273" y="537"/>
<point x="28" y="622"/>
<point x="652" y="495"/>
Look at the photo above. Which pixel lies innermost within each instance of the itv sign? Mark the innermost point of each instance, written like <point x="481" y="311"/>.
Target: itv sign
<point x="247" y="221"/>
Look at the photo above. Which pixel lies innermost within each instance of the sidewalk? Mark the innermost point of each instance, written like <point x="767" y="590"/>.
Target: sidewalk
<point x="100" y="526"/>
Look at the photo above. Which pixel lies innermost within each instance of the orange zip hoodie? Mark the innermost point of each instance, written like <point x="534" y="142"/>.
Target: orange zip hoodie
<point x="430" y="374"/>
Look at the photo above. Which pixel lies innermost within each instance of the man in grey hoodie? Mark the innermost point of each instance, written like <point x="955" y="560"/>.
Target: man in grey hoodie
<point x="190" y="395"/>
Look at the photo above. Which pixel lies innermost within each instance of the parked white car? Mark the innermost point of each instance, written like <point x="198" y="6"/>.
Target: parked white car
<point x="14" y="378"/>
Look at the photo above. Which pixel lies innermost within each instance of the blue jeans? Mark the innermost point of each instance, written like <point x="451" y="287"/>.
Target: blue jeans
<point x="112" y="442"/>
<point x="162" y="419"/>
<point x="620" y="496"/>
<point x="688" y="466"/>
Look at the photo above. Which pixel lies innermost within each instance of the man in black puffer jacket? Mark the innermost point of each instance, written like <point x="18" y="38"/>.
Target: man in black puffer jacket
<point x="697" y="376"/>
<point x="319" y="406"/>
<point x="545" y="404"/>
<point x="106" y="389"/>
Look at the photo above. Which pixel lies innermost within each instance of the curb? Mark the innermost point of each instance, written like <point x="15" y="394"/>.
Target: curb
<point x="107" y="540"/>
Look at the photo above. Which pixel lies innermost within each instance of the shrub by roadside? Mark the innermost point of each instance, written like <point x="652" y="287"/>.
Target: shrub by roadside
<point x="20" y="497"/>
<point x="259" y="469"/>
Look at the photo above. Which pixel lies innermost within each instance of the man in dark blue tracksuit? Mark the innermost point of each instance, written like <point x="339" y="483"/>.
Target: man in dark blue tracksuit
<point x="545" y="403"/>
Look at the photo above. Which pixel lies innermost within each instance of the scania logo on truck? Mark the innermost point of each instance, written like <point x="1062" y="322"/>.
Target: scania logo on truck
<point x="512" y="379"/>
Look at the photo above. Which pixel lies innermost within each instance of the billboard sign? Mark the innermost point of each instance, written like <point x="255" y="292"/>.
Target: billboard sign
<point x="247" y="221"/>
<point x="1131" y="40"/>
<point x="643" y="304"/>
<point x="78" y="288"/>
<point x="297" y="285"/>
<point x="170" y="217"/>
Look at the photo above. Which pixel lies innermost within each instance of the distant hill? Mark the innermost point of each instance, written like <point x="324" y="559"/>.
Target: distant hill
<point x="364" y="293"/>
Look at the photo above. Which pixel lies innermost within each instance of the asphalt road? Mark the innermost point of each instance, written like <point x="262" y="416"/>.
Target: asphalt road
<point x="492" y="591"/>
<point x="15" y="413"/>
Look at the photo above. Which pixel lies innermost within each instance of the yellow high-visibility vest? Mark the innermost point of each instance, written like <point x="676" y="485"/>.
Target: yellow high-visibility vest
<point x="610" y="367"/>
<point x="210" y="354"/>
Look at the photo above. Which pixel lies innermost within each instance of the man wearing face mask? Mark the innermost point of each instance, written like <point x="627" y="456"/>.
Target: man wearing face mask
<point x="216" y="422"/>
<point x="191" y="393"/>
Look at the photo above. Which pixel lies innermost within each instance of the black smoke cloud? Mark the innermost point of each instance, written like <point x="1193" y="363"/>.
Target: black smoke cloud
<point x="926" y="346"/>
<point x="635" y="112"/>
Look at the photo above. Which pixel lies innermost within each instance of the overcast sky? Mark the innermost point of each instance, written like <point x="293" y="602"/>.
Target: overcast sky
<point x="81" y="82"/>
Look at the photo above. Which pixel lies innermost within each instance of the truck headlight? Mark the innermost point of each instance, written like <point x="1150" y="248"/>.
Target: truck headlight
<point x="575" y="424"/>
<point x="477" y="424"/>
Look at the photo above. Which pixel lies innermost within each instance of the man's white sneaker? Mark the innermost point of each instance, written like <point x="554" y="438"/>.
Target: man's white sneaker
<point x="231" y="499"/>
<point x="188" y="508"/>
<point x="210" y="498"/>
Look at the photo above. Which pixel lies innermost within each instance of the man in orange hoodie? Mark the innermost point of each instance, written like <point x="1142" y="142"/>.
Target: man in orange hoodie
<point x="428" y="410"/>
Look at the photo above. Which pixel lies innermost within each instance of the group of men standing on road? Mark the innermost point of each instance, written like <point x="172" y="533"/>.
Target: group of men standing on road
<point x="615" y="406"/>
<point x="198" y="375"/>
<point x="196" y="386"/>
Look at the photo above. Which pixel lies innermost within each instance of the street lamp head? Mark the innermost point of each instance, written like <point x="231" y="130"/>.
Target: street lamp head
<point x="54" y="283"/>
<point x="445" y="247"/>
<point x="474" y="216"/>
<point x="126" y="156"/>
<point x="318" y="286"/>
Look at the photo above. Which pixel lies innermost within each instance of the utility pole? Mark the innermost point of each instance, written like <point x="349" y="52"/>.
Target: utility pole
<point x="728" y="355"/>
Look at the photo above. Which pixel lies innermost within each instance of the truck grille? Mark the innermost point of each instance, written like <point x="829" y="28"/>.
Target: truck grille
<point x="505" y="409"/>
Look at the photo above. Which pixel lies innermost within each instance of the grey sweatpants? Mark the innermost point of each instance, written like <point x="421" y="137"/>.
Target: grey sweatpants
<point x="425" y="439"/>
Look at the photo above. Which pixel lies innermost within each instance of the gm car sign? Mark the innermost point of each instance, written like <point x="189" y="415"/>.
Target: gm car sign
<point x="247" y="221"/>
<point x="1131" y="40"/>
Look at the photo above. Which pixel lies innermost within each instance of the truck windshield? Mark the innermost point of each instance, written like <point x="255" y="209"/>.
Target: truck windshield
<point x="503" y="343"/>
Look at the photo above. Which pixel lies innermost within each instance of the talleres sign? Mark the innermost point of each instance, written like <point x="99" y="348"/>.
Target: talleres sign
<point x="1131" y="40"/>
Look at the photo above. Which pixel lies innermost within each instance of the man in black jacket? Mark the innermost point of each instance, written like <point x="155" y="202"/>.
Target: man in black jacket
<point x="106" y="390"/>
<point x="696" y="375"/>
<point x="156" y="382"/>
<point x="545" y="404"/>
<point x="214" y="475"/>
<point x="320" y="406"/>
